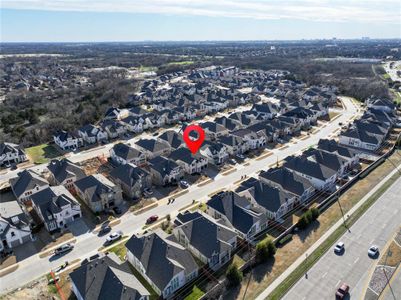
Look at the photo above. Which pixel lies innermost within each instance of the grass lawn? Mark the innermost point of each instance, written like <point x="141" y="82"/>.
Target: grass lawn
<point x="391" y="256"/>
<point x="266" y="273"/>
<point x="195" y="295"/>
<point x="333" y="114"/>
<point x="42" y="153"/>
<point x="147" y="69"/>
<point x="119" y="250"/>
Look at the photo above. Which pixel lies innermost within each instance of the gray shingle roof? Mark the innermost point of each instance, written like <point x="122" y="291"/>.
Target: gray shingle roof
<point x="288" y="180"/>
<point x="126" y="152"/>
<point x="161" y="258"/>
<point x="129" y="174"/>
<point x="94" y="186"/>
<point x="308" y="167"/>
<point x="207" y="236"/>
<point x="107" y="278"/>
<point x="26" y="180"/>
<point x="63" y="169"/>
<point x="152" y="145"/>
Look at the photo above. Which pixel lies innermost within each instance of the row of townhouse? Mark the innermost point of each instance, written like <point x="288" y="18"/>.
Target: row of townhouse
<point x="370" y="131"/>
<point x="257" y="201"/>
<point x="181" y="101"/>
<point x="166" y="262"/>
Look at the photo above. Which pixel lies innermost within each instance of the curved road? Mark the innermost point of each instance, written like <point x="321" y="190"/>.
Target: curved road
<point x="88" y="243"/>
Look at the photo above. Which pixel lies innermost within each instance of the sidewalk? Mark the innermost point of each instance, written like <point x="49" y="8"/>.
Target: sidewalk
<point x="339" y="223"/>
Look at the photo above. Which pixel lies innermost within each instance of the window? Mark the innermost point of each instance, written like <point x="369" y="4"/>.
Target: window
<point x="12" y="234"/>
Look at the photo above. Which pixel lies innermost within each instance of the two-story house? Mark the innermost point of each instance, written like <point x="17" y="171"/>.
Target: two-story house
<point x="211" y="242"/>
<point x="190" y="163"/>
<point x="124" y="154"/>
<point x="107" y="277"/>
<point x="98" y="192"/>
<point x="132" y="180"/>
<point x="11" y="154"/>
<point x="152" y="147"/>
<point x="162" y="262"/>
<point x="14" y="225"/>
<point x="26" y="184"/>
<point x="165" y="171"/>
<point x="64" y="172"/>
<point x="68" y="140"/>
<point x="56" y="207"/>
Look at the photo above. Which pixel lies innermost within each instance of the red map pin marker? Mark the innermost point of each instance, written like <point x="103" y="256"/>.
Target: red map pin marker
<point x="193" y="145"/>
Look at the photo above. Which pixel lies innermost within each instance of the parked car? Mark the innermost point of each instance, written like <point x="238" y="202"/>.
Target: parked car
<point x="184" y="184"/>
<point x="342" y="291"/>
<point x="13" y="167"/>
<point x="373" y="251"/>
<point x="147" y="192"/>
<point x="240" y="156"/>
<point x="117" y="210"/>
<point x="115" y="236"/>
<point x="232" y="161"/>
<point x="339" y="247"/>
<point x="63" y="249"/>
<point x="152" y="219"/>
<point x="104" y="230"/>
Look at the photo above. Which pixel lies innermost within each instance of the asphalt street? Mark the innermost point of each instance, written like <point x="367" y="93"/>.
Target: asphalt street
<point x="375" y="227"/>
<point x="88" y="243"/>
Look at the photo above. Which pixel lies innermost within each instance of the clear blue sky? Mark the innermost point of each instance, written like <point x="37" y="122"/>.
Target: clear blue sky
<point x="138" y="20"/>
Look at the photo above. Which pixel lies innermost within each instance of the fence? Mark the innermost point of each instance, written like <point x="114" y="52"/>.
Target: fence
<point x="322" y="206"/>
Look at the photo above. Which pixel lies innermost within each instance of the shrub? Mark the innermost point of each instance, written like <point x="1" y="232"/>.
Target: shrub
<point x="264" y="250"/>
<point x="234" y="275"/>
<point x="315" y="213"/>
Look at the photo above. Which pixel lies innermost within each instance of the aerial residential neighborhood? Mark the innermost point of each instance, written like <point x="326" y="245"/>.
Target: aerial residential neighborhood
<point x="140" y="167"/>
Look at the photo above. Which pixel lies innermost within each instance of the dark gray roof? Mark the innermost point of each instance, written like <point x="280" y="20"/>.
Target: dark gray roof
<point x="126" y="152"/>
<point x="161" y="258"/>
<point x="185" y="155"/>
<point x="94" y="186"/>
<point x="288" y="180"/>
<point x="308" y="167"/>
<point x="173" y="138"/>
<point x="51" y="200"/>
<point x="268" y="197"/>
<point x="333" y="147"/>
<point x="107" y="278"/>
<point x="231" y="140"/>
<point x="162" y="165"/>
<point x="9" y="148"/>
<point x="230" y="124"/>
<point x="26" y="180"/>
<point x="63" y="169"/>
<point x="327" y="159"/>
<point x="129" y="174"/>
<point x="208" y="237"/>
<point x="213" y="127"/>
<point x="152" y="145"/>
<point x="11" y="208"/>
<point x="235" y="208"/>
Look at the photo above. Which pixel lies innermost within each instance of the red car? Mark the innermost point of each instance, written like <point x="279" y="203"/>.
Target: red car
<point x="152" y="219"/>
<point x="342" y="291"/>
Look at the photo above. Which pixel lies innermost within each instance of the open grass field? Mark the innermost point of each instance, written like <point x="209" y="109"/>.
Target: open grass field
<point x="42" y="153"/>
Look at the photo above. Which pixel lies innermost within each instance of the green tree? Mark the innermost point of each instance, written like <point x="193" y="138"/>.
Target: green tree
<point x="234" y="275"/>
<point x="264" y="250"/>
<point x="315" y="213"/>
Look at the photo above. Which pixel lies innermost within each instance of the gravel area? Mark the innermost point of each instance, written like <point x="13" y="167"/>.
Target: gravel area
<point x="379" y="279"/>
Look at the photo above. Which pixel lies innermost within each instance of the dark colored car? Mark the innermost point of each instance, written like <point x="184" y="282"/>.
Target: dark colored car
<point x="342" y="291"/>
<point x="104" y="230"/>
<point x="152" y="219"/>
<point x="117" y="210"/>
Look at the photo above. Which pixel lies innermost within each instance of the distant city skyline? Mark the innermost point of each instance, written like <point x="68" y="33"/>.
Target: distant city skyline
<point x="197" y="20"/>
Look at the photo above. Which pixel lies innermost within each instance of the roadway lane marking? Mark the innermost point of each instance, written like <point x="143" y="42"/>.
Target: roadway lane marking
<point x="338" y="283"/>
<point x="371" y="241"/>
<point x="324" y="275"/>
<point x="356" y="260"/>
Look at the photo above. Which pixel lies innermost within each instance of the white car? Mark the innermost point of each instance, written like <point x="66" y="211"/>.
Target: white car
<point x="114" y="237"/>
<point x="339" y="247"/>
<point x="63" y="249"/>
<point x="373" y="251"/>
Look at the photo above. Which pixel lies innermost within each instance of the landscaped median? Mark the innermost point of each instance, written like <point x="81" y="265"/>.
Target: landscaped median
<point x="284" y="287"/>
